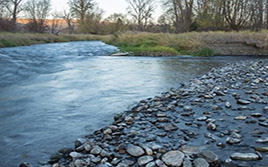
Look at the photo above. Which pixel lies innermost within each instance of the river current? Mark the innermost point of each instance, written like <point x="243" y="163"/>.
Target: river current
<point x="51" y="94"/>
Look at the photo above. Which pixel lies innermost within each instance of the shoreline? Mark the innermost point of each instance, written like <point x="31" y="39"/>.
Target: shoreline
<point x="158" y="45"/>
<point x="218" y="119"/>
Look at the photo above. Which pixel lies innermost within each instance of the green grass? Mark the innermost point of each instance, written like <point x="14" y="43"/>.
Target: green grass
<point x="204" y="52"/>
<point x="152" y="50"/>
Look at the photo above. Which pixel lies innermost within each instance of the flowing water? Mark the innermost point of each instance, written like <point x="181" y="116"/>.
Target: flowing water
<point x="51" y="94"/>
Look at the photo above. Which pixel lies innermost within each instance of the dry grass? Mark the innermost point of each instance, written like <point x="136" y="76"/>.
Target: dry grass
<point x="196" y="43"/>
<point x="22" y="39"/>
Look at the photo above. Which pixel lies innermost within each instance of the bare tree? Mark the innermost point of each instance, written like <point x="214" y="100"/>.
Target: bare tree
<point x="14" y="7"/>
<point x="68" y="18"/>
<point x="237" y="13"/>
<point x="80" y="8"/>
<point x="210" y="14"/>
<point x="141" y="11"/>
<point x="56" y="24"/>
<point x="38" y="11"/>
<point x="267" y="14"/>
<point x="3" y="4"/>
<point x="182" y="12"/>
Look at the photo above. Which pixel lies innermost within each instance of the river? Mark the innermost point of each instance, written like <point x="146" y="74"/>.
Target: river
<point x="51" y="94"/>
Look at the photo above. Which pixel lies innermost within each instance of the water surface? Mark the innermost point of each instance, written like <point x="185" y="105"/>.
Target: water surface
<point x="51" y="94"/>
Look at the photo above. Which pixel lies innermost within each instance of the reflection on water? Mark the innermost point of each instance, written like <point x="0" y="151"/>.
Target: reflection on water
<point x="51" y="94"/>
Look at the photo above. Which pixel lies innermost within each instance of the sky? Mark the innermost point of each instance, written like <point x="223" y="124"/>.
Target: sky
<point x="109" y="6"/>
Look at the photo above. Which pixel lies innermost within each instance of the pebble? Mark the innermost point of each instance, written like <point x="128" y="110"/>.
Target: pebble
<point x="107" y="131"/>
<point x="228" y="105"/>
<point x="262" y="140"/>
<point x="190" y="150"/>
<point x="211" y="126"/>
<point x="202" y="118"/>
<point x="243" y="102"/>
<point x="231" y="140"/>
<point x="187" y="163"/>
<point x="144" y="160"/>
<point x="209" y="156"/>
<point x="257" y="115"/>
<point x="79" y="163"/>
<point x="96" y="150"/>
<point x="76" y="155"/>
<point x="148" y="150"/>
<point x="245" y="156"/>
<point x="200" y="162"/>
<point x="187" y="108"/>
<point x="170" y="127"/>
<point x="263" y="124"/>
<point x="173" y="158"/>
<point x="261" y="149"/>
<point x="240" y="118"/>
<point x="160" y="163"/>
<point x="135" y="151"/>
<point x="151" y="133"/>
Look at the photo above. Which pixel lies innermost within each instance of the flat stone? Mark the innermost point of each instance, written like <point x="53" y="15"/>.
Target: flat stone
<point x="228" y="105"/>
<point x="231" y="140"/>
<point x="160" y="163"/>
<point x="187" y="108"/>
<point x="236" y="135"/>
<point x="144" y="160"/>
<point x="263" y="124"/>
<point x="120" y="54"/>
<point x="190" y="150"/>
<point x="76" y="155"/>
<point x="200" y="162"/>
<point x="128" y="162"/>
<point x="96" y="150"/>
<point x="87" y="147"/>
<point x="209" y="156"/>
<point x="173" y="158"/>
<point x="170" y="127"/>
<point x="107" y="131"/>
<point x="187" y="163"/>
<point x="261" y="149"/>
<point x="262" y="140"/>
<point x="147" y="149"/>
<point x="240" y="118"/>
<point x="202" y="118"/>
<point x="151" y="164"/>
<point x="135" y="151"/>
<point x="80" y="163"/>
<point x="243" y="102"/>
<point x="245" y="156"/>
<point x="257" y="115"/>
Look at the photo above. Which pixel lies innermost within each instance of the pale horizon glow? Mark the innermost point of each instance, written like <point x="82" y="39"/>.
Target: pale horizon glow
<point x="108" y="6"/>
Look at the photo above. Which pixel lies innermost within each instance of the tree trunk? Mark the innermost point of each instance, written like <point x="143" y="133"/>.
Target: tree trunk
<point x="267" y="14"/>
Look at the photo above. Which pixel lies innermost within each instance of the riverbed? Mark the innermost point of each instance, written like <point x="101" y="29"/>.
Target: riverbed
<point x="51" y="94"/>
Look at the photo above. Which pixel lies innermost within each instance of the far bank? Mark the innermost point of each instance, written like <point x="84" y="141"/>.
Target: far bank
<point x="159" y="44"/>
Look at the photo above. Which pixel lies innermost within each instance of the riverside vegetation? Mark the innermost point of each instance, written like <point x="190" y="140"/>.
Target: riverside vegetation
<point x="159" y="44"/>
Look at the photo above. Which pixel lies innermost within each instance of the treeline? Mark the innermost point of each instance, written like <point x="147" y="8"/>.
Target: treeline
<point x="178" y="16"/>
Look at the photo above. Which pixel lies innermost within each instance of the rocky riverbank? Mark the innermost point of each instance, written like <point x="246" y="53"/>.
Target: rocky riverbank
<point x="218" y="119"/>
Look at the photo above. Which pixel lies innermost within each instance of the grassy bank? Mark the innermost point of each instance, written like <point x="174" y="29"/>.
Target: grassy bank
<point x="23" y="39"/>
<point x="196" y="43"/>
<point x="161" y="44"/>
